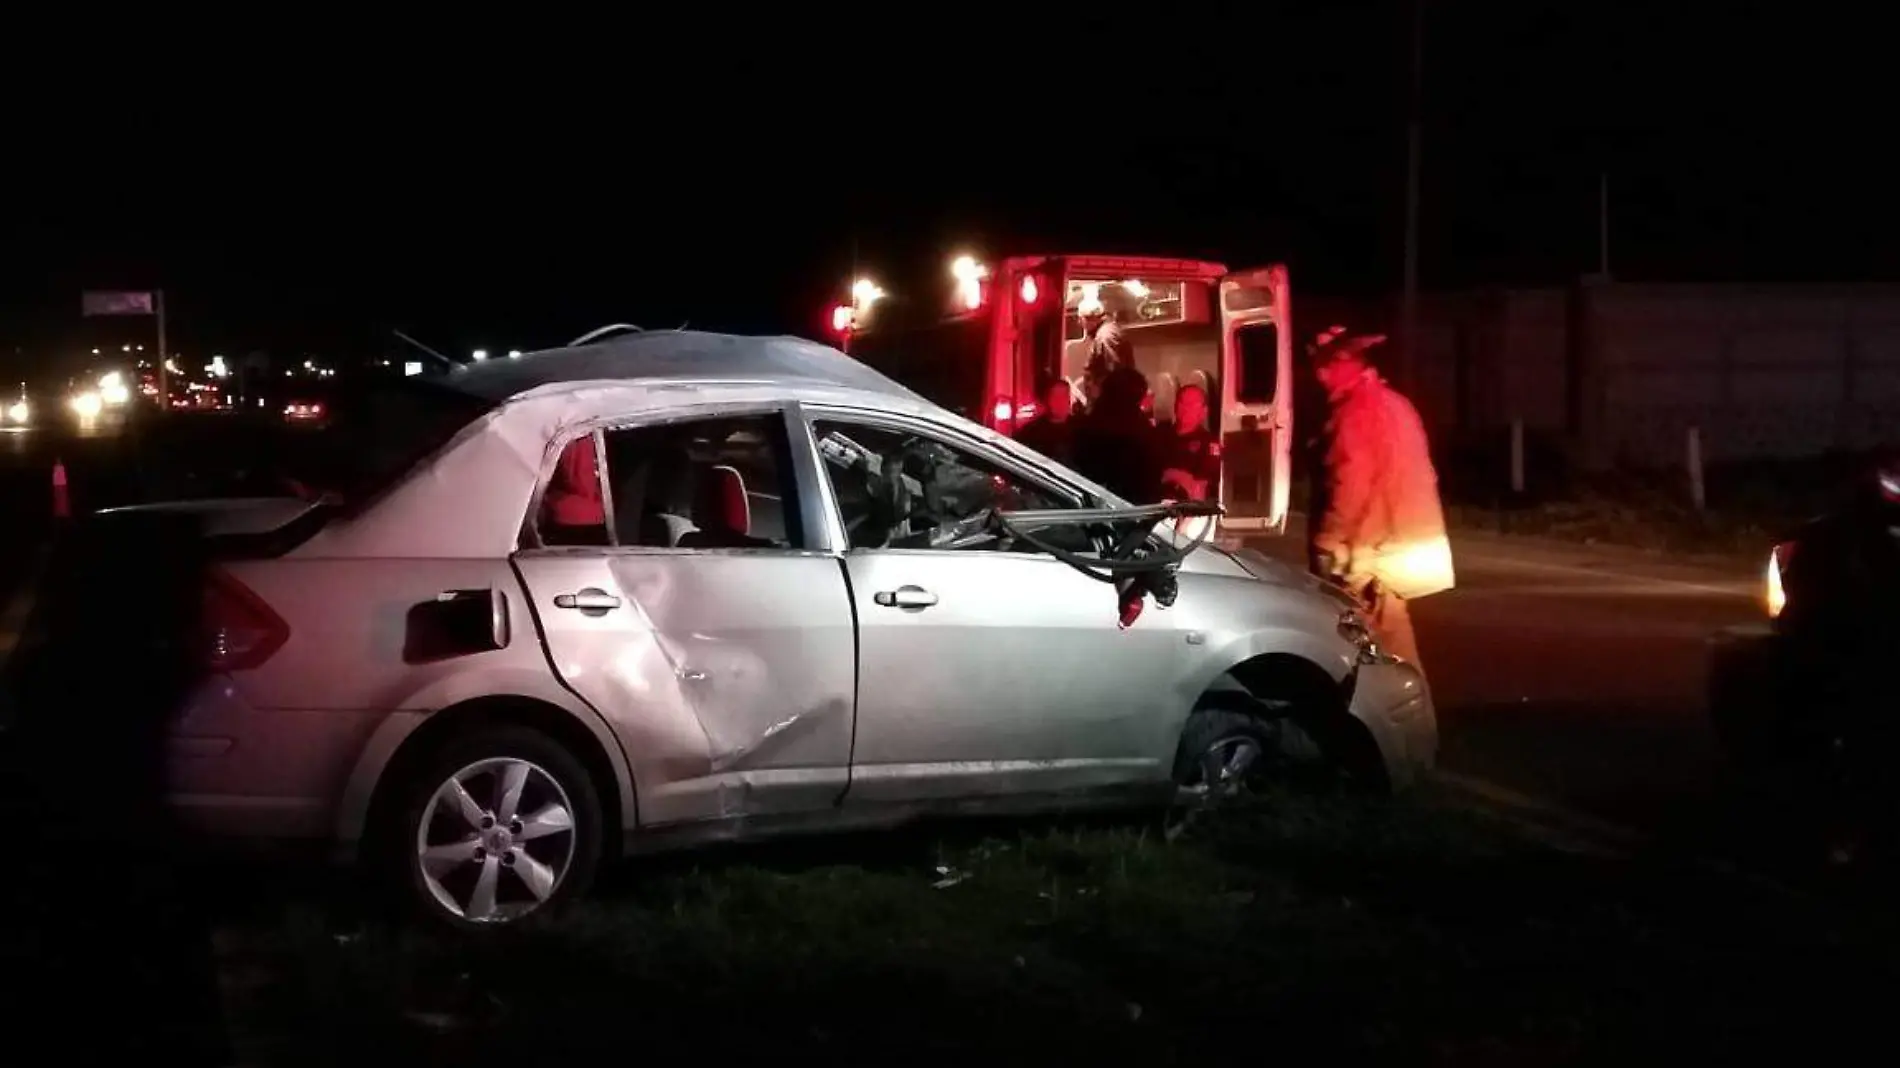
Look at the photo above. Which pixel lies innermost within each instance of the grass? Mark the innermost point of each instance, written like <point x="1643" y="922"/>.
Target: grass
<point x="1749" y="504"/>
<point x="1406" y="932"/>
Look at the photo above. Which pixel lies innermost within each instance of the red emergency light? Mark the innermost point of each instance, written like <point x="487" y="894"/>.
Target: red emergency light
<point x="1006" y="411"/>
<point x="841" y="317"/>
<point x="1029" y="291"/>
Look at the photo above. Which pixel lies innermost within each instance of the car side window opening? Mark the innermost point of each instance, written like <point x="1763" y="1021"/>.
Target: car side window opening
<point x="702" y="484"/>
<point x="899" y="490"/>
<point x="573" y="509"/>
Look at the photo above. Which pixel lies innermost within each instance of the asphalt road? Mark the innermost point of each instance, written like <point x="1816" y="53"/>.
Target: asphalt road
<point x="26" y="461"/>
<point x="1574" y="676"/>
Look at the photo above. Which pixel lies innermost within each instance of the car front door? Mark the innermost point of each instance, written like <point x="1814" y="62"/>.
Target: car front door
<point x="696" y="619"/>
<point x="1256" y="403"/>
<point x="982" y="672"/>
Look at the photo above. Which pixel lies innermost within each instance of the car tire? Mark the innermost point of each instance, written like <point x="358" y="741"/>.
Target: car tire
<point x="1224" y="752"/>
<point x="476" y="859"/>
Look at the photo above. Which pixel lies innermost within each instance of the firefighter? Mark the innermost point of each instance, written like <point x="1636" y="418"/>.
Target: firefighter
<point x="1382" y="534"/>
<point x="1052" y="431"/>
<point x="1313" y="453"/>
<point x="1190" y="452"/>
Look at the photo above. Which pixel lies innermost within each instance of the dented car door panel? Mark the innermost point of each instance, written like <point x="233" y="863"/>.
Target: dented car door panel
<point x="726" y="674"/>
<point x="1000" y="674"/>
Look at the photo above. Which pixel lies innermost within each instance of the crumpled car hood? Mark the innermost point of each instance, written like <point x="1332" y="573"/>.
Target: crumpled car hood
<point x="1267" y="569"/>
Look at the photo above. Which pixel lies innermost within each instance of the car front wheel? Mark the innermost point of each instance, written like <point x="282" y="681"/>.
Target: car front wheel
<point x="499" y="824"/>
<point x="1224" y="754"/>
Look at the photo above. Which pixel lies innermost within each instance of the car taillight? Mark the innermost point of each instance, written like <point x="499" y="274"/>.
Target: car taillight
<point x="1774" y="596"/>
<point x="240" y="630"/>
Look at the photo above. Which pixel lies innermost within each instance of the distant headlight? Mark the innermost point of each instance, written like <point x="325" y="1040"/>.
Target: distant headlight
<point x="1774" y="597"/>
<point x="19" y="413"/>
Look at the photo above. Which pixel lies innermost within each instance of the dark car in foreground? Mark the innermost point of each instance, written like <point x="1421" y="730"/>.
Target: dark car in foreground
<point x="1809" y="691"/>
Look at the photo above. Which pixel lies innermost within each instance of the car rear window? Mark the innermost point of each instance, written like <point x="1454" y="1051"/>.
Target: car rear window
<point x="373" y="437"/>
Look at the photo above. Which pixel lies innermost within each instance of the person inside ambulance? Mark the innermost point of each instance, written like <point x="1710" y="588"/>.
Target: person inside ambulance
<point x="1052" y="431"/>
<point x="1115" y="442"/>
<point x="1382" y="535"/>
<point x="1190" y="452"/>
<point x="1106" y="347"/>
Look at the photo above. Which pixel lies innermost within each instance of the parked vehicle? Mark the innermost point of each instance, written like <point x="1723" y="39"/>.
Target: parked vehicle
<point x="1801" y="692"/>
<point x="800" y="597"/>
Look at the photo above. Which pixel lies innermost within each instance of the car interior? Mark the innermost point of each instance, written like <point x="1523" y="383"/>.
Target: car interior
<point x="711" y="485"/>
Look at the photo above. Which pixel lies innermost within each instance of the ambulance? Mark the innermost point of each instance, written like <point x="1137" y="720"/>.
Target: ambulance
<point x="987" y="339"/>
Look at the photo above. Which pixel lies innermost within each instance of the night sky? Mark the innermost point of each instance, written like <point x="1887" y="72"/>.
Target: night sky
<point x="521" y="190"/>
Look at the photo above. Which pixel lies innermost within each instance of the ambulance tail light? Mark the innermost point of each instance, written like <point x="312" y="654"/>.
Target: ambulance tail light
<point x="1007" y="414"/>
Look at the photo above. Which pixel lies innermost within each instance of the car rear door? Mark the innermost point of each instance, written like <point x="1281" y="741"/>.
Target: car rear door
<point x="727" y="672"/>
<point x="1256" y="402"/>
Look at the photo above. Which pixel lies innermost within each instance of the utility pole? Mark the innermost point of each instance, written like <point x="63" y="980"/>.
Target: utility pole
<point x="164" y="377"/>
<point x="1603" y="226"/>
<point x="1408" y="308"/>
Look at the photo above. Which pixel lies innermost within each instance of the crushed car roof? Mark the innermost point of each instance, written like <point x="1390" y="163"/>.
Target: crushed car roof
<point x="673" y="355"/>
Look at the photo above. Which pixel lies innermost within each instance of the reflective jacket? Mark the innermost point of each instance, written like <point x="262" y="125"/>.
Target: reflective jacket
<point x="1383" y="519"/>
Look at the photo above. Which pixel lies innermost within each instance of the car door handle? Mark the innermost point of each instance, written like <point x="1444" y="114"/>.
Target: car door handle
<point x="589" y="600"/>
<point x="905" y="597"/>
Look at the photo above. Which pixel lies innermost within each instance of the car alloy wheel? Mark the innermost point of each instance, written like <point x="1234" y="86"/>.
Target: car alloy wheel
<point x="1223" y="752"/>
<point x="493" y="827"/>
<point x="1224" y="768"/>
<point x="496" y="840"/>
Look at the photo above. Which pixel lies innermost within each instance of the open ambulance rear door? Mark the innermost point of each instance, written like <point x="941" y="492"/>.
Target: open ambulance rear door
<point x="1256" y="402"/>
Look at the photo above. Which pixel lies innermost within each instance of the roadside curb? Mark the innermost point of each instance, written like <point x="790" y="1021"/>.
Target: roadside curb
<point x="1613" y="550"/>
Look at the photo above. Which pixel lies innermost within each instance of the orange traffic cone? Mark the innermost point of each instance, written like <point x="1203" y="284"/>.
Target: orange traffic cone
<point x="62" y="504"/>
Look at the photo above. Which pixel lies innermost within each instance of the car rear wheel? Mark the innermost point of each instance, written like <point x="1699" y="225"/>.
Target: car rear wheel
<point x="499" y="824"/>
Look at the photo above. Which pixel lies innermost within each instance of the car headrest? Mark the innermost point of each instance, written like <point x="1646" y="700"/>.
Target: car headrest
<point x="723" y="501"/>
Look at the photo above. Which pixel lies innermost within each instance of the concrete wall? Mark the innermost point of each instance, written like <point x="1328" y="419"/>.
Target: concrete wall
<point x="1622" y="371"/>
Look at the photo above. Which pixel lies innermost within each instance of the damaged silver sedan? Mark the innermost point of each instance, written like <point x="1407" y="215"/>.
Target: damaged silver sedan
<point x="670" y="588"/>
